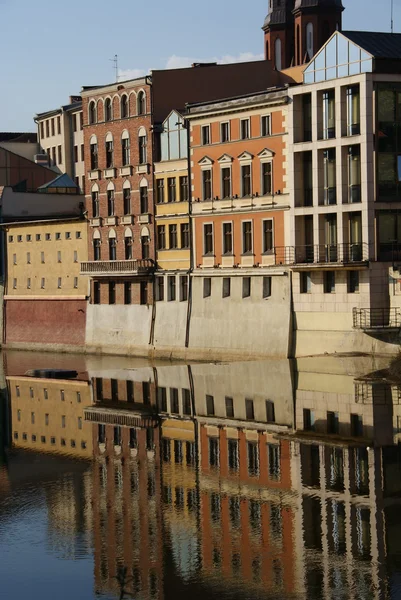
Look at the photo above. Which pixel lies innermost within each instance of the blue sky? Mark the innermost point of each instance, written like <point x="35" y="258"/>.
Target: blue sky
<point x="49" y="50"/>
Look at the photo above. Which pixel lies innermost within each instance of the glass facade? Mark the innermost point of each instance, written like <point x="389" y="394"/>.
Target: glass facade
<point x="173" y="139"/>
<point x="389" y="140"/>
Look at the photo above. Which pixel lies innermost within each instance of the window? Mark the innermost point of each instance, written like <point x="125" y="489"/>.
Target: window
<point x="109" y="154"/>
<point x="267" y="230"/>
<point x="143" y="191"/>
<point x="143" y="292"/>
<point x="226" y="287"/>
<point x="14" y="284"/>
<point x="161" y="237"/>
<point x="265" y="125"/>
<point x="249" y="410"/>
<point x="125" y="150"/>
<point x="214" y="453"/>
<point x="124" y="106"/>
<point x="127" y="292"/>
<point x="29" y="238"/>
<point x="171" y="288"/>
<point x="205" y="135"/>
<point x="28" y="283"/>
<point x="128" y="246"/>
<point x="184" y="227"/>
<point x="207" y="287"/>
<point x="110" y="203"/>
<point x="246" y="184"/>
<point x="356" y="425"/>
<point x="174" y="402"/>
<point x="142" y="149"/>
<point x="112" y="249"/>
<point x="247" y="245"/>
<point x="78" y="235"/>
<point x="38" y="237"/>
<point x="233" y="452"/>
<point x="329" y="123"/>
<point x="353" y="282"/>
<point x="59" y="256"/>
<point x="184" y="190"/>
<point x="353" y="110"/>
<point x="229" y="407"/>
<point x="96" y="292"/>
<point x="227" y="238"/>
<point x="245" y="129"/>
<point x="160" y="191"/>
<point x="68" y="235"/>
<point x="305" y="282"/>
<point x="171" y="189"/>
<point x="145" y="244"/>
<point x="78" y="397"/>
<point x="354" y="174"/>
<point x="59" y="283"/>
<point x="267" y="186"/>
<point x="45" y="394"/>
<point x="95" y="204"/>
<point x="96" y="249"/>
<point x="19" y="415"/>
<point x="183" y="288"/>
<point x="82" y="152"/>
<point x="58" y="236"/>
<point x="59" y="155"/>
<point x="224" y="132"/>
<point x="246" y="287"/>
<point x="159" y="289"/>
<point x="329" y="282"/>
<point x="112" y="292"/>
<point x="208" y="245"/>
<point x="226" y="182"/>
<point x="207" y="184"/>
<point x="19" y="238"/>
<point x="47" y="129"/>
<point x="14" y="259"/>
<point x="42" y="283"/>
<point x="141" y="103"/>
<point x="63" y="421"/>
<point x="52" y="124"/>
<point x="253" y="459"/>
<point x="94" y="156"/>
<point x="17" y="391"/>
<point x="270" y="412"/>
<point x="42" y="130"/>
<point x="46" y="419"/>
<point x="31" y="393"/>
<point x="173" y="237"/>
<point x="75" y="153"/>
<point x="209" y="405"/>
<point x="273" y="451"/>
<point x="267" y="287"/>
<point x="127" y="200"/>
<point x="62" y="395"/>
<point x="332" y="423"/>
<point x="10" y="239"/>
<point x="107" y="110"/>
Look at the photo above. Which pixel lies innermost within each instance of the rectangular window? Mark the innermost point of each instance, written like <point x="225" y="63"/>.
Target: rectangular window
<point x="14" y="259"/>
<point x="162" y="399"/>
<point x="159" y="289"/>
<point x="47" y="129"/>
<point x="19" y="238"/>
<point x="94" y="157"/>
<point x="332" y="423"/>
<point x="160" y="191"/>
<point x="245" y="129"/>
<point x="42" y="130"/>
<point x="183" y="288"/>
<point x="353" y="282"/>
<point x="161" y="237"/>
<point x="63" y="421"/>
<point x="329" y="120"/>
<point x="247" y="245"/>
<point x="174" y="401"/>
<point x="59" y="125"/>
<point x="112" y="292"/>
<point x="171" y="288"/>
<point x="267" y="186"/>
<point x="184" y="190"/>
<point x="205" y="135"/>
<point x="171" y="189"/>
<point x="32" y="418"/>
<point x="225" y="132"/>
<point x="28" y="283"/>
<point x="273" y="451"/>
<point x="246" y="287"/>
<point x="226" y="287"/>
<point x="329" y="177"/>
<point x="185" y="242"/>
<point x="68" y="235"/>
<point x="75" y="283"/>
<point x="354" y="174"/>
<point x="59" y="256"/>
<point x="53" y="128"/>
<point x="229" y="407"/>
<point x="58" y="236"/>
<point x="267" y="287"/>
<point x="186" y="402"/>
<point x="38" y="237"/>
<point x="265" y="125"/>
<point x="246" y="184"/>
<point x="82" y="152"/>
<point x="59" y="155"/>
<point x="144" y="292"/>
<point x="14" y="284"/>
<point x="214" y="452"/>
<point x="253" y="459"/>
<point x="75" y="256"/>
<point x="143" y="191"/>
<point x="267" y="231"/>
<point x="74" y="122"/>
<point x="207" y="184"/>
<point x="109" y="155"/>
<point x="249" y="410"/>
<point x="207" y="287"/>
<point x="127" y="292"/>
<point x="305" y="282"/>
<point x="173" y="237"/>
<point x="209" y="405"/>
<point x="29" y="238"/>
<point x="208" y="245"/>
<point x="329" y="282"/>
<point x="270" y="412"/>
<point x="10" y="239"/>
<point x="233" y="455"/>
<point x="96" y="292"/>
<point x="226" y="182"/>
<point x="78" y="235"/>
<point x="125" y="151"/>
<point x="353" y="110"/>
<point x="130" y="390"/>
<point x="75" y="153"/>
<point x="227" y="238"/>
<point x="356" y="425"/>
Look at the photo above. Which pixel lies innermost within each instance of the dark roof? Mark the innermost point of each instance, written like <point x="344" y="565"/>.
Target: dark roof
<point x="61" y="181"/>
<point x="379" y="44"/>
<point x="18" y="137"/>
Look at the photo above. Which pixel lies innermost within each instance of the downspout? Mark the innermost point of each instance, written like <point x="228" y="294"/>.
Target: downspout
<point x="191" y="246"/>
<point x="153" y="277"/>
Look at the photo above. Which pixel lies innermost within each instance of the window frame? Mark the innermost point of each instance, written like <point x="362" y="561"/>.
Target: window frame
<point x="225" y="123"/>
<point x="243" y="121"/>
<point x="203" y="129"/>
<point x="243" y="234"/>
<point x="269" y="128"/>
<point x="266" y="251"/>
<point x="205" y="253"/>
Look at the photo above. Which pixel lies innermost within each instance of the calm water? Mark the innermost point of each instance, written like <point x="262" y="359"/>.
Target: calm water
<point x="237" y="481"/>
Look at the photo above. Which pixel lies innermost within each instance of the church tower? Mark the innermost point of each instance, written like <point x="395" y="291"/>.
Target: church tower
<point x="314" y="22"/>
<point x="279" y="33"/>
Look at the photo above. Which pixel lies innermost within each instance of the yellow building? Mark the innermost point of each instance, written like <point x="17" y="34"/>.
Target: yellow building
<point x="45" y="295"/>
<point x="48" y="415"/>
<point x="172" y="197"/>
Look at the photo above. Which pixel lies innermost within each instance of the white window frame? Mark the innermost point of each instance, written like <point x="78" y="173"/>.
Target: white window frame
<point x="269" y="118"/>
<point x="246" y="163"/>
<point x="263" y="162"/>
<point x="242" y="237"/>
<point x="228" y="123"/>
<point x="249" y="129"/>
<point x="226" y="166"/>
<point x="203" y="240"/>
<point x="264" y="251"/>
<point x="207" y="126"/>
<point x="207" y="168"/>
<point x="222" y="238"/>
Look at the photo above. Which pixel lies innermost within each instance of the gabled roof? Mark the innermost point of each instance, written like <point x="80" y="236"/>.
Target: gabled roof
<point x="61" y="181"/>
<point x="23" y="137"/>
<point x="378" y="44"/>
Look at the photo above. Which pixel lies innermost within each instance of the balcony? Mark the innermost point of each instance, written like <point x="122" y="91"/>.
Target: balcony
<point x="315" y="256"/>
<point x="376" y="319"/>
<point x="122" y="268"/>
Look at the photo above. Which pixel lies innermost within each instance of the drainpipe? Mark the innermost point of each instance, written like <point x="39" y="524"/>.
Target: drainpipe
<point x="191" y="246"/>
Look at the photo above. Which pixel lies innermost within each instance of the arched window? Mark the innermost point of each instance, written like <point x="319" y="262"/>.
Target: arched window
<point x="96" y="245"/>
<point x="92" y="112"/>
<point x="143" y="192"/>
<point x="124" y="106"/>
<point x="110" y="200"/>
<point x="145" y="242"/>
<point x="127" y="197"/>
<point x="95" y="201"/>
<point x="107" y="110"/>
<point x="277" y="54"/>
<point x="112" y="245"/>
<point x="141" y="103"/>
<point x="109" y="151"/>
<point x="128" y="244"/>
<point x="125" y="148"/>
<point x="142" y="146"/>
<point x="93" y="153"/>
<point x="309" y="41"/>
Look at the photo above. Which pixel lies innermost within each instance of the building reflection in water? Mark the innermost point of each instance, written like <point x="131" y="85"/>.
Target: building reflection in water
<point x="261" y="478"/>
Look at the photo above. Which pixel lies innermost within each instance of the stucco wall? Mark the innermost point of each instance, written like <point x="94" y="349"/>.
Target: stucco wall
<point x="170" y="324"/>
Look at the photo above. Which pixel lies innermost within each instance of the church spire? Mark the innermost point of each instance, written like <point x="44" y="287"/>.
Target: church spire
<point x="278" y="28"/>
<point x="315" y="21"/>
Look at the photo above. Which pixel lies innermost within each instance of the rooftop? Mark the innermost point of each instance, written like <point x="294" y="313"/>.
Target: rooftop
<point x="20" y="137"/>
<point x="378" y="44"/>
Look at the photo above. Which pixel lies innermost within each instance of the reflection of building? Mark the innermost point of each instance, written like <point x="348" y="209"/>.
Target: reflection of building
<point x="126" y="484"/>
<point x="48" y="415"/>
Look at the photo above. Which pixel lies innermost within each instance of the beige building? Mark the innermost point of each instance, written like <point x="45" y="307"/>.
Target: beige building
<point x="61" y="137"/>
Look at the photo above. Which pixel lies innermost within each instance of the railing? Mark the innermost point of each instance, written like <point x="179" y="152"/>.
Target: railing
<point x="376" y="318"/>
<point x="322" y="254"/>
<point x="118" y="267"/>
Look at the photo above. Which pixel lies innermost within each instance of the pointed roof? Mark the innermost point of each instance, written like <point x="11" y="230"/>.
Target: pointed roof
<point x="378" y="44"/>
<point x="323" y="4"/>
<point x="61" y="181"/>
<point x="279" y="13"/>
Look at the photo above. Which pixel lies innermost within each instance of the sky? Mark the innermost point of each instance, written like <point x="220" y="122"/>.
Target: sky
<point x="50" y="49"/>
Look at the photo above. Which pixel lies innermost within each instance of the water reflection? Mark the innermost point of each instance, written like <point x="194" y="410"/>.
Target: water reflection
<point x="249" y="480"/>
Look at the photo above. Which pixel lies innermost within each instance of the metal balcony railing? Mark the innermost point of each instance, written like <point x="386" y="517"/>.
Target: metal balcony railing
<point x="322" y="254"/>
<point x="106" y="268"/>
<point x="376" y="318"/>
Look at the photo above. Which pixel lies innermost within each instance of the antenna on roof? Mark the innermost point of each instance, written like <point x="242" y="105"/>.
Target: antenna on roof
<point x="115" y="67"/>
<point x="392" y="14"/>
